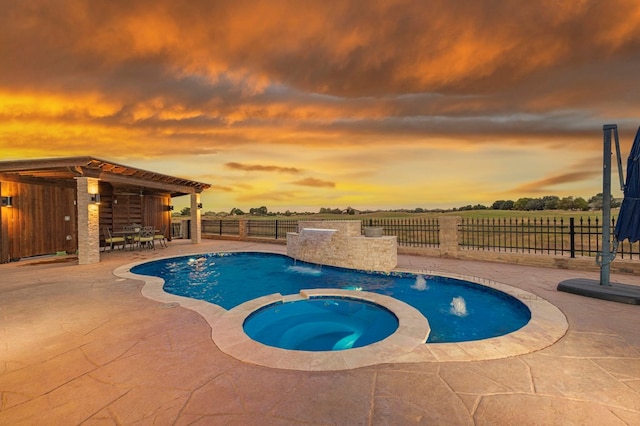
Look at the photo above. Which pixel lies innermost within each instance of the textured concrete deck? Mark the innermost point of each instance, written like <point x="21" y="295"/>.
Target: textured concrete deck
<point x="79" y="345"/>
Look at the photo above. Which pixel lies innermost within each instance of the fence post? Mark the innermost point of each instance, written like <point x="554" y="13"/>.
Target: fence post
<point x="242" y="229"/>
<point x="449" y="235"/>
<point x="572" y="237"/>
<point x="276" y="229"/>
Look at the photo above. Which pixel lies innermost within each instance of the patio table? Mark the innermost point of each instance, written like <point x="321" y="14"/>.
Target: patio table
<point x="129" y="236"/>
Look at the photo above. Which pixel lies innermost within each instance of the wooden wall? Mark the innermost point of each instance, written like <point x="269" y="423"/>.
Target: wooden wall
<point x="119" y="208"/>
<point x="41" y="221"/>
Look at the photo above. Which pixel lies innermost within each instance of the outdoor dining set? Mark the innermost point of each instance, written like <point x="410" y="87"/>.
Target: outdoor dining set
<point x="134" y="236"/>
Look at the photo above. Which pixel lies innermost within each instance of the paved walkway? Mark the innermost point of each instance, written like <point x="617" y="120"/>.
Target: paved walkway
<point x="79" y="345"/>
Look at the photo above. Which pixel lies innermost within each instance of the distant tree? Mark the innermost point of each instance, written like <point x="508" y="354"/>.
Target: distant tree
<point x="259" y="211"/>
<point x="185" y="211"/>
<point x="534" y="204"/>
<point x="508" y="205"/>
<point x="521" y="203"/>
<point x="236" y="211"/>
<point x="550" y="202"/>
<point x="580" y="204"/>
<point x="498" y="205"/>
<point x="595" y="202"/>
<point x="566" y="203"/>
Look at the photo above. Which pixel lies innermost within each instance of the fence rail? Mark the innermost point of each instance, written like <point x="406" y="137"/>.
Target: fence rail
<point x="582" y="237"/>
<point x="572" y="237"/>
<point x="276" y="229"/>
<point x="221" y="227"/>
<point x="411" y="232"/>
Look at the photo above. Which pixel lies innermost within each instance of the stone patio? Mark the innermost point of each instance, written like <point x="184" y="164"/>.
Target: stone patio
<point x="79" y="345"/>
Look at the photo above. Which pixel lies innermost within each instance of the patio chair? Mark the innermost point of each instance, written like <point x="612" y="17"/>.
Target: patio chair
<point x="111" y="240"/>
<point x="146" y="237"/>
<point x="162" y="237"/>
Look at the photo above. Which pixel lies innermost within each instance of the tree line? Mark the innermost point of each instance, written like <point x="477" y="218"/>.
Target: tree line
<point x="548" y="202"/>
<point x="553" y="202"/>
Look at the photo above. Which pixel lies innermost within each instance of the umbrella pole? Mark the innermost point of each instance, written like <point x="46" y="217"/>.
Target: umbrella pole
<point x="606" y="256"/>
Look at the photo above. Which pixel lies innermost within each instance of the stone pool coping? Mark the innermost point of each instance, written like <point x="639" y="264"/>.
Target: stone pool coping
<point x="547" y="325"/>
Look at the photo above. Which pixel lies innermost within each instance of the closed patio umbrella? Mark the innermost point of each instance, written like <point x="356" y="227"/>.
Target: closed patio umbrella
<point x="627" y="227"/>
<point x="628" y="224"/>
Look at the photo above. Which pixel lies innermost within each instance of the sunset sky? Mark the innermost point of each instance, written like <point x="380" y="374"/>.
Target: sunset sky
<point x="306" y="104"/>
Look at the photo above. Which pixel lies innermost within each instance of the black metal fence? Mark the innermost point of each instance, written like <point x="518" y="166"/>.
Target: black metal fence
<point x="276" y="229"/>
<point x="581" y="237"/>
<point x="411" y="232"/>
<point x="221" y="227"/>
<point x="571" y="237"/>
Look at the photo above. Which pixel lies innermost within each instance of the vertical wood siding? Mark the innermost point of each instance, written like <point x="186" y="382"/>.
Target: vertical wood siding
<point x="36" y="223"/>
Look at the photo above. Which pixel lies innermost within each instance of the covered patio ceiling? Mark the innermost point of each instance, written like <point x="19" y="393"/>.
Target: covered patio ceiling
<point x="62" y="171"/>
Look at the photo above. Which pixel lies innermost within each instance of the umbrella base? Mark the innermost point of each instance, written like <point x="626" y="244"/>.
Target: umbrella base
<point x="621" y="293"/>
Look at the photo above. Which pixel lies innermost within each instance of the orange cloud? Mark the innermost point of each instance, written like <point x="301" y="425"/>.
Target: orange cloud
<point x="543" y="185"/>
<point x="318" y="183"/>
<point x="261" y="168"/>
<point x="221" y="188"/>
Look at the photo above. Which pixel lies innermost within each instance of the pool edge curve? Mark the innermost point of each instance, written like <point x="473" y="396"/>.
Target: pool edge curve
<point x="547" y="325"/>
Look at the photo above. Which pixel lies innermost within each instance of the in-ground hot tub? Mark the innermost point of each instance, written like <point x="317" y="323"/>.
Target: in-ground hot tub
<point x="321" y="323"/>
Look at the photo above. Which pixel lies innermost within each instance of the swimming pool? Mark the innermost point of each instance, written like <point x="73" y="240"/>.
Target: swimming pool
<point x="457" y="310"/>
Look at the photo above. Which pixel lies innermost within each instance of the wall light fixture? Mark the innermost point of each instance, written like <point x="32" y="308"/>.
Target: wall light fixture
<point x="7" y="201"/>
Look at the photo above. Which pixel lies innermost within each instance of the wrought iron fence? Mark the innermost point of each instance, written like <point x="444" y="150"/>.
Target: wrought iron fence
<point x="581" y="237"/>
<point x="221" y="227"/>
<point x="562" y="237"/>
<point x="420" y="232"/>
<point x="276" y="229"/>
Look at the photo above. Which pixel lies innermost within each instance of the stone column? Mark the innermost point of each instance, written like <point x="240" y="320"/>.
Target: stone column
<point x="449" y="235"/>
<point x="242" y="228"/>
<point x="196" y="219"/>
<point x="88" y="221"/>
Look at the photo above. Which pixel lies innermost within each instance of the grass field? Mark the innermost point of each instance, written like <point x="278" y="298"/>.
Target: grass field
<point x="540" y="214"/>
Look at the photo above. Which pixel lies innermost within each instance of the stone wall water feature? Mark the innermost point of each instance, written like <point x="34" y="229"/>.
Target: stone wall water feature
<point x="340" y="243"/>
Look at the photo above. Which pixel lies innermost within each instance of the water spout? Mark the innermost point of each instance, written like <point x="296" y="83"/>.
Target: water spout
<point x="420" y="284"/>
<point x="458" y="307"/>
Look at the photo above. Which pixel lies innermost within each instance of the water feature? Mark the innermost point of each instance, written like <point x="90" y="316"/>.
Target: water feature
<point x="316" y="237"/>
<point x="341" y="243"/>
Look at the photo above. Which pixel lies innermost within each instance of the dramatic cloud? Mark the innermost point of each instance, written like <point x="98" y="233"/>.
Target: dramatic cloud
<point x="282" y="86"/>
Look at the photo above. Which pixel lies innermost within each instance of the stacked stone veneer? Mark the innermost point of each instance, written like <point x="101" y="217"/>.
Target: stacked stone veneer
<point x="88" y="222"/>
<point x="345" y="247"/>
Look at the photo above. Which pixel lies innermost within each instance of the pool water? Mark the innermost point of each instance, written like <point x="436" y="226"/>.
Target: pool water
<point x="321" y="324"/>
<point x="457" y="310"/>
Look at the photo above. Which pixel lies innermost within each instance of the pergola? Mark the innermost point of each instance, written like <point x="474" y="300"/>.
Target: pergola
<point x="100" y="192"/>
